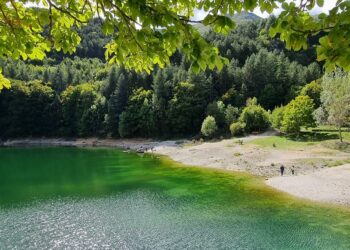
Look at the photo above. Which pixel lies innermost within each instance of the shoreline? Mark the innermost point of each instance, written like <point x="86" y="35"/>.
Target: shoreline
<point x="137" y="145"/>
<point x="314" y="181"/>
<point x="331" y="185"/>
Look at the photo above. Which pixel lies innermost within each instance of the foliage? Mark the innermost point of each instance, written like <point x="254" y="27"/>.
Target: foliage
<point x="231" y="115"/>
<point x="217" y="110"/>
<point x="320" y="115"/>
<point x="296" y="23"/>
<point x="237" y="128"/>
<point x="313" y="90"/>
<point x="276" y="117"/>
<point x="298" y="113"/>
<point x="254" y="116"/>
<point x="179" y="99"/>
<point x="335" y="98"/>
<point x="28" y="110"/>
<point x="209" y="127"/>
<point x="137" y="118"/>
<point x="117" y="90"/>
<point x="273" y="78"/>
<point x="80" y="106"/>
<point x="187" y="107"/>
<point x="145" y="33"/>
<point x="4" y="83"/>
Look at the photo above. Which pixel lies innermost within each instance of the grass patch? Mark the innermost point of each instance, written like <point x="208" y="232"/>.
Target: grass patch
<point x="335" y="163"/>
<point x="281" y="142"/>
<point x="344" y="146"/>
<point x="329" y="131"/>
<point x="328" y="135"/>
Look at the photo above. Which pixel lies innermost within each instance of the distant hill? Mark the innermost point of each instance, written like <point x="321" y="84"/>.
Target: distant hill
<point x="245" y="16"/>
<point x="238" y="18"/>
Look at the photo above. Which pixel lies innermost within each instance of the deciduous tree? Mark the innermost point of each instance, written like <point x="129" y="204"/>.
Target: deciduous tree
<point x="298" y="113"/>
<point x="144" y="33"/>
<point x="335" y="98"/>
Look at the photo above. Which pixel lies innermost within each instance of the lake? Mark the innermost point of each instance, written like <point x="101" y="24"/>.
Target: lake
<point x="70" y="198"/>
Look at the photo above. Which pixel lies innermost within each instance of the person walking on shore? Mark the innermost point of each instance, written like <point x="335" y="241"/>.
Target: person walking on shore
<point x="282" y="170"/>
<point x="292" y="169"/>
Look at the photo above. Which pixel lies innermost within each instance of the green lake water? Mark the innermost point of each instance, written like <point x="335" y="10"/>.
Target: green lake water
<point x="69" y="198"/>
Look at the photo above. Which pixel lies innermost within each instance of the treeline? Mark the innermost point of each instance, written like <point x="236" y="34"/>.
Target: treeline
<point x="85" y="97"/>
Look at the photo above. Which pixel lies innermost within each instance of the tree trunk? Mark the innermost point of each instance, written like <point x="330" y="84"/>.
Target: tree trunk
<point x="340" y="134"/>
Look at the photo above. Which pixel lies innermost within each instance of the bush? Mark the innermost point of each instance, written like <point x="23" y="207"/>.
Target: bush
<point x="209" y="126"/>
<point x="217" y="110"/>
<point x="237" y="128"/>
<point x="298" y="113"/>
<point x="313" y="90"/>
<point x="231" y="115"/>
<point x="276" y="117"/>
<point x="254" y="116"/>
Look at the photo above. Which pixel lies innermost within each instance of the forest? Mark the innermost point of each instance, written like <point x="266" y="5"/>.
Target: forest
<point x="80" y="95"/>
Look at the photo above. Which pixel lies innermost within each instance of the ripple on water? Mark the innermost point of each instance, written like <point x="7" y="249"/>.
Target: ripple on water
<point x="121" y="201"/>
<point x="139" y="220"/>
<point x="135" y="221"/>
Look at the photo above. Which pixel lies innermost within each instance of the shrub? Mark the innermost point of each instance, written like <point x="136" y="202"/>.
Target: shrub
<point x="276" y="117"/>
<point x="254" y="116"/>
<point x="209" y="126"/>
<point x="298" y="113"/>
<point x="313" y="90"/>
<point x="231" y="115"/>
<point x="320" y="116"/>
<point x="237" y="128"/>
<point x="217" y="110"/>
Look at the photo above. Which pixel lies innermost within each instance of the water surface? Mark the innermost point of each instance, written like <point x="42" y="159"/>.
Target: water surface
<point x="68" y="198"/>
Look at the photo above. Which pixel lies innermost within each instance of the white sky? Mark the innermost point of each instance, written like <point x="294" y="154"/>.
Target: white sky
<point x="328" y="4"/>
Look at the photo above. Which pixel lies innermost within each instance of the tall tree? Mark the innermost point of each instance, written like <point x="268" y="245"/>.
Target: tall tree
<point x="57" y="80"/>
<point x="335" y="99"/>
<point x="117" y="103"/>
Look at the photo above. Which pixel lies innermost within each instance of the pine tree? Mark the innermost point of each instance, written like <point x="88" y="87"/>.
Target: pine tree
<point x="111" y="82"/>
<point x="57" y="80"/>
<point x="46" y="75"/>
<point x="117" y="103"/>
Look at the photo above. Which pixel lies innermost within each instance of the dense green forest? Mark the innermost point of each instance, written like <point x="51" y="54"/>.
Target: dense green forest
<point x="80" y="95"/>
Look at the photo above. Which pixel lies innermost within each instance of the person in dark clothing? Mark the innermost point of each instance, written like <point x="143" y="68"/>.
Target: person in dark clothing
<point x="292" y="169"/>
<point x="282" y="170"/>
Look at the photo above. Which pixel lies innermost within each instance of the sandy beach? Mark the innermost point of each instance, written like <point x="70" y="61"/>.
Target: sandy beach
<point x="330" y="185"/>
<point x="313" y="180"/>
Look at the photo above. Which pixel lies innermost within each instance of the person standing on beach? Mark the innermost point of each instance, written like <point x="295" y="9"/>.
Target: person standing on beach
<point x="282" y="170"/>
<point x="292" y="169"/>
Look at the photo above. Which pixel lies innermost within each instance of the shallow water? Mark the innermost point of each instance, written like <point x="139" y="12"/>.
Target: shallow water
<point x="68" y="198"/>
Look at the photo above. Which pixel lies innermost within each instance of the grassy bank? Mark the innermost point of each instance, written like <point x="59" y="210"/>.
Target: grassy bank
<point x="326" y="135"/>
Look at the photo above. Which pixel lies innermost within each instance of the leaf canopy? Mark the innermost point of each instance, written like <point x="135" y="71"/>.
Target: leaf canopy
<point x="146" y="33"/>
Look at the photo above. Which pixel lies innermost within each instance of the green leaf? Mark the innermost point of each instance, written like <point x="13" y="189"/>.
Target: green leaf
<point x="4" y="83"/>
<point x="320" y="3"/>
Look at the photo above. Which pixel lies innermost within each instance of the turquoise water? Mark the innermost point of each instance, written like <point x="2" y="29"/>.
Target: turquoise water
<point x="68" y="198"/>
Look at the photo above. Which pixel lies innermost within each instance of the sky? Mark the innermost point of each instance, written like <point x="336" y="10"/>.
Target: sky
<point x="328" y="4"/>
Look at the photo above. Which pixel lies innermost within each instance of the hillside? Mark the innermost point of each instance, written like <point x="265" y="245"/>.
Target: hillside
<point x="238" y="18"/>
<point x="81" y="95"/>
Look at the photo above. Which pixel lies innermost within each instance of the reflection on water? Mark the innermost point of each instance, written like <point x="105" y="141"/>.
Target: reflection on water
<point x="102" y="198"/>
